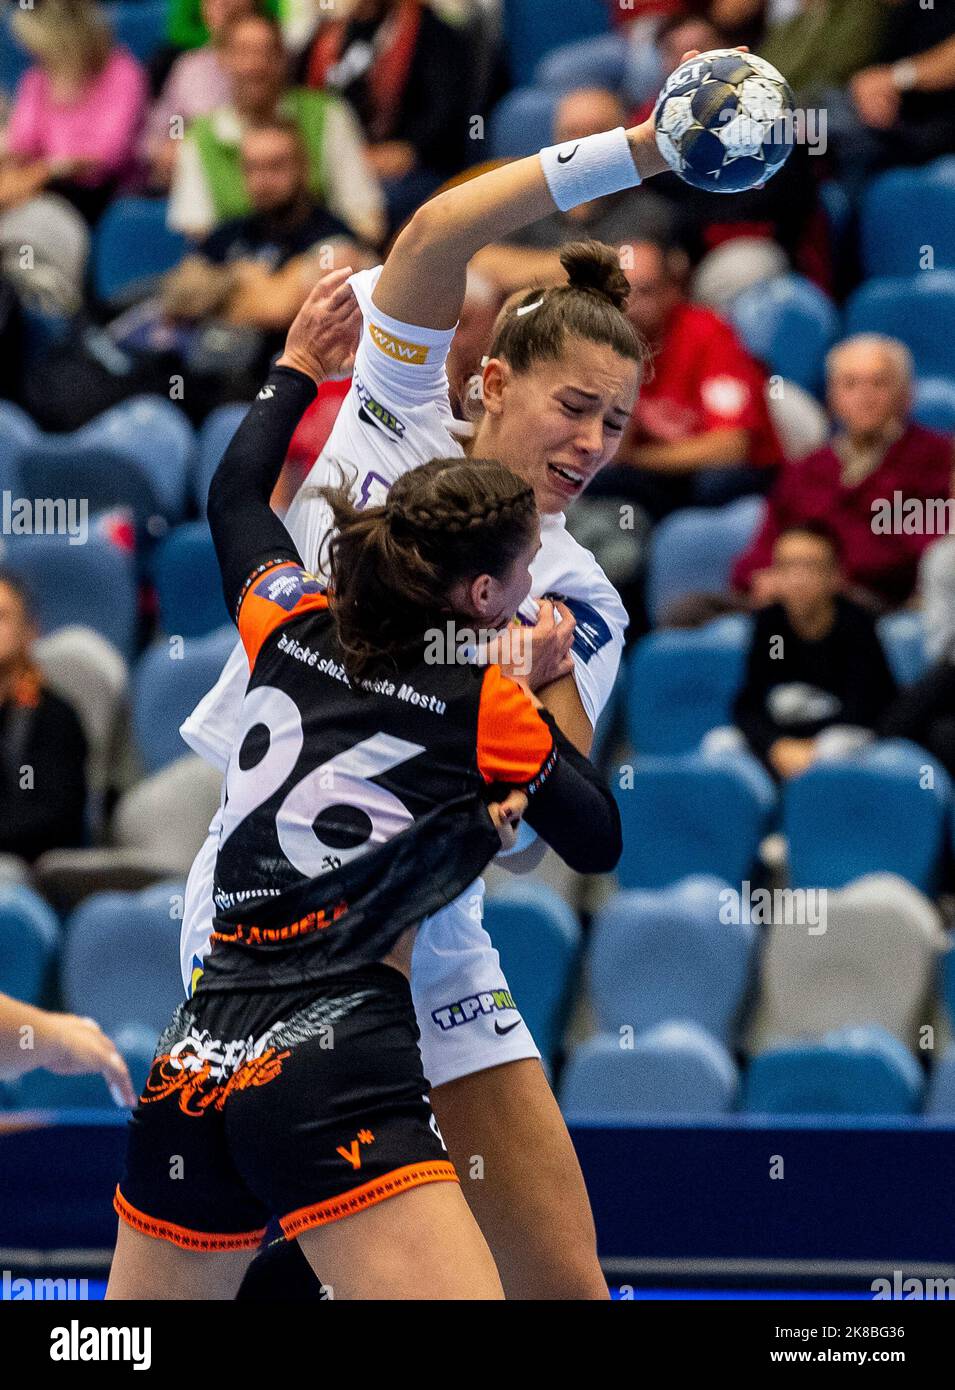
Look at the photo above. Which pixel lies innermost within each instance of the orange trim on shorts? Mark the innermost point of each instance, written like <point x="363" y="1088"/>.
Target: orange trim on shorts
<point x="181" y="1235"/>
<point x="368" y="1195"/>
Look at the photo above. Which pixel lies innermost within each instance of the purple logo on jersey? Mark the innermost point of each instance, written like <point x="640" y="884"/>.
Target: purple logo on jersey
<point x="286" y="586"/>
<point x="370" y="480"/>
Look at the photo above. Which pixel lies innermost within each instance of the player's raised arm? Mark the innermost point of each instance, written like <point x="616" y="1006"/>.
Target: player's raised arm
<point x="423" y="280"/>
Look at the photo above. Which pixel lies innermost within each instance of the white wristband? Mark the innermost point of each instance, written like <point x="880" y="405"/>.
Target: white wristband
<point x="581" y="170"/>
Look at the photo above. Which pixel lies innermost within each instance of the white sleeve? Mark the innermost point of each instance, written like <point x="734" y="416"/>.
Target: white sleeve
<point x="354" y="191"/>
<point x="399" y="363"/>
<point x="190" y="209"/>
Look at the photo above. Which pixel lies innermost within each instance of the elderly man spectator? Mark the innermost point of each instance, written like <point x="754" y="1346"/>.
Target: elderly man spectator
<point x="700" y="432"/>
<point x="877" y="461"/>
<point x="208" y="186"/>
<point x="42" y="746"/>
<point x="531" y="256"/>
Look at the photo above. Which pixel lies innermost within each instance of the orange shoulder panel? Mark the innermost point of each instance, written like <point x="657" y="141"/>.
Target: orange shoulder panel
<point x="282" y="592"/>
<point x="513" y="742"/>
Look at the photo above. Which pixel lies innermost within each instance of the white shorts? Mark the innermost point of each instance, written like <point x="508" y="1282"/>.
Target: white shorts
<point x="466" y="1016"/>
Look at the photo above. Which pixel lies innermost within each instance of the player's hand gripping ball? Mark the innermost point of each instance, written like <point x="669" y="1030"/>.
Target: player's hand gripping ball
<point x="724" y="121"/>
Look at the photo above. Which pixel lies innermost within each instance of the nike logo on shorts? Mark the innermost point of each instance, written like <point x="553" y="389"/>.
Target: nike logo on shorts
<point x="509" y="1029"/>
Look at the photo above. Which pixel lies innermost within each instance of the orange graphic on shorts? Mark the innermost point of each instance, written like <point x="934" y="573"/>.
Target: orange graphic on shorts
<point x="352" y="1154"/>
<point x="196" y="1095"/>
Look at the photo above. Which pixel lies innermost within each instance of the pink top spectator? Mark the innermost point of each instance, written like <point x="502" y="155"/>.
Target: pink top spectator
<point x="197" y="84"/>
<point x="103" y="124"/>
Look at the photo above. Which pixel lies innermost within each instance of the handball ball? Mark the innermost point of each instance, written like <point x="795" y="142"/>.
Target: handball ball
<point x="724" y="121"/>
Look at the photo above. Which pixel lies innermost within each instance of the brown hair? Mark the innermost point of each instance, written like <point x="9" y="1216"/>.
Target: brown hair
<point x="73" y="35"/>
<point x="535" y="326"/>
<point x="392" y="567"/>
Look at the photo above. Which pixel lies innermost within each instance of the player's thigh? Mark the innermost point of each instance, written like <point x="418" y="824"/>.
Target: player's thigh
<point x="424" y="1244"/>
<point x="519" y="1172"/>
<point x="146" y="1267"/>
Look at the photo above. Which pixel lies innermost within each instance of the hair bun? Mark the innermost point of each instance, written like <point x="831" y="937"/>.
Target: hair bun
<point x="592" y="265"/>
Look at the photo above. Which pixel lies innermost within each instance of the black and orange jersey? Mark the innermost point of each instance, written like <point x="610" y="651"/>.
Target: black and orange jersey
<point x="351" y="813"/>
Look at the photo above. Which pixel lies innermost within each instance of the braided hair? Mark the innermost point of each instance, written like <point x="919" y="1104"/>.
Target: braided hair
<point x="392" y="568"/>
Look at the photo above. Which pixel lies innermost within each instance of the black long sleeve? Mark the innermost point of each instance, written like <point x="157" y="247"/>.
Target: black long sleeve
<point x="245" y="530"/>
<point x="574" y="811"/>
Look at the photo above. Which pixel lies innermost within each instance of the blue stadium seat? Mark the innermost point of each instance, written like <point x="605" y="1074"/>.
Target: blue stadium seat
<point x="686" y="816"/>
<point x="680" y="684"/>
<point x="674" y="1069"/>
<point x="29" y="935"/>
<point x="940" y="1100"/>
<point x="538" y="938"/>
<point x="93" y="585"/>
<point x="693" y="551"/>
<point x="214" y="437"/>
<point x="917" y="309"/>
<point x="157" y="436"/>
<point x="521" y="123"/>
<point x="532" y="29"/>
<point x="934" y="404"/>
<point x="852" y="1071"/>
<point x="948" y="983"/>
<point x="17" y="434"/>
<point x="872" y="813"/>
<point x="104" y="475"/>
<point x="141" y="27"/>
<point x="188" y="581"/>
<point x="42" y="1090"/>
<point x="659" y="956"/>
<point x="790" y="325"/>
<point x="903" y="212"/>
<point x="168" y="684"/>
<point x="14" y="60"/>
<point x="121" y="958"/>
<point x="132" y="243"/>
<point x="903" y="637"/>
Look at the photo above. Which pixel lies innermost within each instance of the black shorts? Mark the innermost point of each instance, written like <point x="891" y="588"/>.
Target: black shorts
<point x="307" y="1104"/>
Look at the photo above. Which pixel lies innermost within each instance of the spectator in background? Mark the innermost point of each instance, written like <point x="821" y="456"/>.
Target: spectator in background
<point x="61" y="1043"/>
<point x="208" y="187"/>
<point x="77" y="114"/>
<point x="701" y="432"/>
<point x="191" y="25"/>
<point x="901" y="110"/>
<point x="405" y="71"/>
<point x="876" y="454"/>
<point x="817" y="683"/>
<point x="824" y="42"/>
<point x="532" y="255"/>
<point x="196" y="84"/>
<point x="225" y="309"/>
<point x="42" y="746"/>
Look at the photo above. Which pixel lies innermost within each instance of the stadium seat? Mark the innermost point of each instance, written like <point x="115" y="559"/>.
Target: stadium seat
<point x="532" y="29"/>
<point x="17" y="433"/>
<point x="918" y="309"/>
<point x="940" y="1100"/>
<point x="157" y="436"/>
<point x="188" y="581"/>
<point x="790" y="325"/>
<point x="903" y="637"/>
<point x="141" y="26"/>
<point x="217" y="430"/>
<point x="854" y="1071"/>
<point x="121" y="958"/>
<point x="168" y="682"/>
<point x="42" y="1090"/>
<point x="680" y="684"/>
<point x="60" y="466"/>
<point x="156" y="831"/>
<point x="934" y="404"/>
<point x="521" y="123"/>
<point x="14" y="60"/>
<point x="91" y="585"/>
<point x="904" y="211"/>
<point x="871" y="813"/>
<point x="659" y="956"/>
<point x="874" y="961"/>
<point x="674" y="1069"/>
<point x="538" y="938"/>
<point x="132" y="244"/>
<point x="693" y="551"/>
<point x="28" y="940"/>
<point x="684" y="816"/>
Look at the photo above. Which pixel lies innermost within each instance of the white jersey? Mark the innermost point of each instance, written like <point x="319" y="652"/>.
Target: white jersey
<point x="396" y="416"/>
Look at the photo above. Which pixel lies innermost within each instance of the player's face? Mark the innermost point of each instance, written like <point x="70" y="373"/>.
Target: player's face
<point x="492" y="601"/>
<point x="559" y="423"/>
